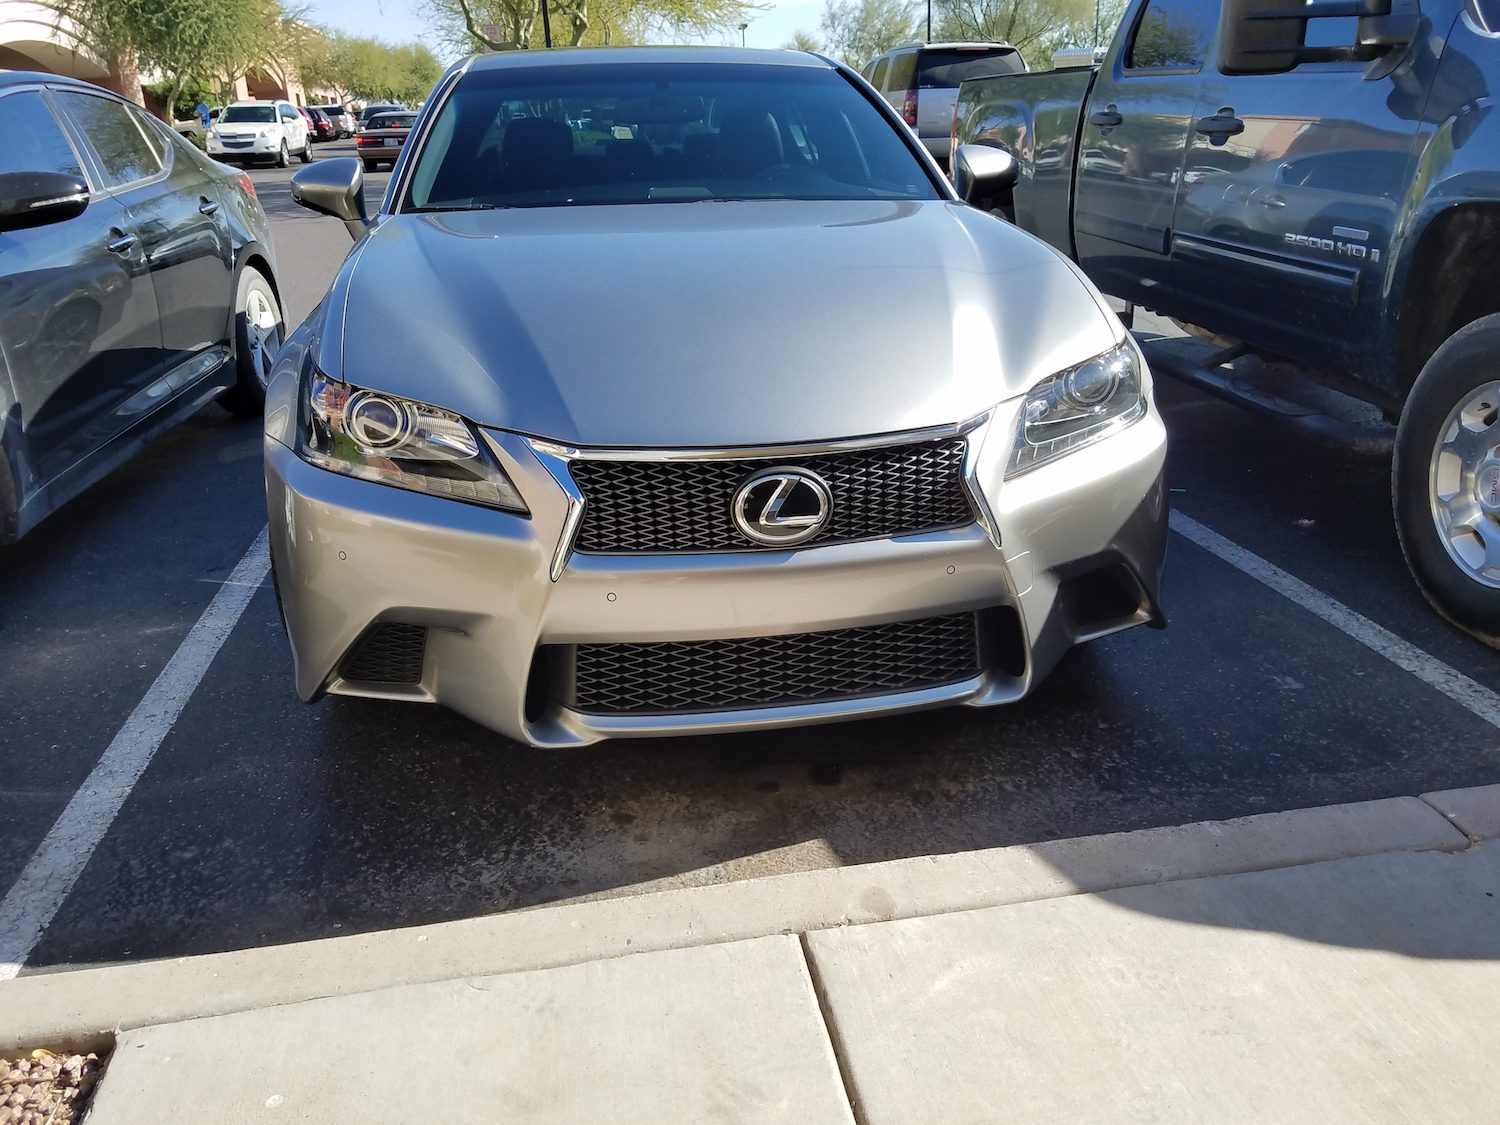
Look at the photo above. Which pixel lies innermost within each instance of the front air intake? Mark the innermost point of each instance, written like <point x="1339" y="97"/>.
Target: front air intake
<point x="386" y="653"/>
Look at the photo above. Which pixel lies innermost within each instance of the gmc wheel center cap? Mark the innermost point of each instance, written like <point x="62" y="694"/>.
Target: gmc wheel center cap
<point x="782" y="507"/>
<point x="1487" y="485"/>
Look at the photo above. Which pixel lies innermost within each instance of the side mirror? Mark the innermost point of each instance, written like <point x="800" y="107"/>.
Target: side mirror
<point x="337" y="188"/>
<point x="35" y="199"/>
<point x="980" y="172"/>
<point x="1270" y="36"/>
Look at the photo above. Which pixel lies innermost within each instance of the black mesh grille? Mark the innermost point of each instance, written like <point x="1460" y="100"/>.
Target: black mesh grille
<point x="685" y="505"/>
<point x="697" y="676"/>
<point x="386" y="654"/>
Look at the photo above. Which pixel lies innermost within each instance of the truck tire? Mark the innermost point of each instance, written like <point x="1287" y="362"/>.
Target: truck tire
<point x="1445" y="480"/>
<point x="258" y="332"/>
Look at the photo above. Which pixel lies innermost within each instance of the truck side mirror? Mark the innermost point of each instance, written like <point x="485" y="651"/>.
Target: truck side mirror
<point x="1270" y="36"/>
<point x="980" y="171"/>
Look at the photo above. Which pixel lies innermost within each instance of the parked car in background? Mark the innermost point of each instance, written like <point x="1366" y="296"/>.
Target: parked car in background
<point x="341" y="119"/>
<point x="382" y="138"/>
<point x="921" y="82"/>
<point x="323" y="129"/>
<point x="833" y="445"/>
<point x="137" y="282"/>
<point x="362" y="118"/>
<point x="260" y="130"/>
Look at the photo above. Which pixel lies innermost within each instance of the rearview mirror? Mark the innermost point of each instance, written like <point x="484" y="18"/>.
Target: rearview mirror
<point x="981" y="172"/>
<point x="1270" y="36"/>
<point x="35" y="199"/>
<point x="337" y="188"/>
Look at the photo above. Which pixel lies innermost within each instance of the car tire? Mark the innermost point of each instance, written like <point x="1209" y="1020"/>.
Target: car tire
<point x="369" y="165"/>
<point x="306" y="154"/>
<point x="283" y="158"/>
<point x="258" y="332"/>
<point x="1447" y="447"/>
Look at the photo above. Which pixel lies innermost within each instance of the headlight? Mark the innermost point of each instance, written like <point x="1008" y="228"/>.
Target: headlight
<point x="1076" y="407"/>
<point x="391" y="440"/>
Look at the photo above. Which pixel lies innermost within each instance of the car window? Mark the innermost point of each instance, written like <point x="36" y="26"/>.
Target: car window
<point x="124" y="154"/>
<point x="1172" y="35"/>
<point x="156" y="134"/>
<point x="641" y="133"/>
<point x="903" y="74"/>
<point x="881" y="69"/>
<point x="945" y="68"/>
<point x="34" y="141"/>
<point x="249" y="114"/>
<point x="393" y="121"/>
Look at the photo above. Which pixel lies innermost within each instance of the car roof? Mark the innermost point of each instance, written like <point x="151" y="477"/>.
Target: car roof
<point x="956" y="44"/>
<point x="258" y="101"/>
<point x="34" y="77"/>
<point x="592" y="56"/>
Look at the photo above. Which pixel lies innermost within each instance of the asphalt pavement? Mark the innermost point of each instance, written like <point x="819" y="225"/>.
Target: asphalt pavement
<point x="262" y="820"/>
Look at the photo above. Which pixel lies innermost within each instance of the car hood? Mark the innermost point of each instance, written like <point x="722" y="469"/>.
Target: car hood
<point x="709" y="323"/>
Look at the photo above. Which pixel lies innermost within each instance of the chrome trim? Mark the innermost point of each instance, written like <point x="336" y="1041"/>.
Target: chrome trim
<point x="982" y="510"/>
<point x="799" y="529"/>
<point x="557" y="469"/>
<point x="758" y="452"/>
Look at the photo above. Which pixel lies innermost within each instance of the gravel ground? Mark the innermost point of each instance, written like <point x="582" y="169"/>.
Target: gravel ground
<point x="47" y="1089"/>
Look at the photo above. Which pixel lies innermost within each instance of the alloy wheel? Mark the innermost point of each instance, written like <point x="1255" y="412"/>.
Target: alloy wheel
<point x="1464" y="484"/>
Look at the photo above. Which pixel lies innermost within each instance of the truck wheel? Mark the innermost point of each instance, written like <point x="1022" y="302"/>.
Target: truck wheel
<point x="258" y="331"/>
<point x="1445" y="480"/>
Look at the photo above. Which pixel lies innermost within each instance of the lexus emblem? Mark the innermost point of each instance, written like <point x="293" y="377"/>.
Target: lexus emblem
<point x="782" y="507"/>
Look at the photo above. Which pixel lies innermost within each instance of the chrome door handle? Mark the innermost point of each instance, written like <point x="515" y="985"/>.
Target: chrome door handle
<point x="1272" y="201"/>
<point x="206" y="206"/>
<point x="121" y="244"/>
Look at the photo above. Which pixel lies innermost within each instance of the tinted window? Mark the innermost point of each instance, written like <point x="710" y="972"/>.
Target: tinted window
<point x="156" y="134"/>
<point x="392" y="121"/>
<point x="945" y="69"/>
<point x="34" y="141"/>
<point x="114" y="136"/>
<point x="256" y="114"/>
<point x="881" y="68"/>
<point x="659" y="133"/>
<point x="903" y="71"/>
<point x="1172" y="35"/>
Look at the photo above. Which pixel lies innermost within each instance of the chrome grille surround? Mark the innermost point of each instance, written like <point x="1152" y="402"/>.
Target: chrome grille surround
<point x="686" y="677"/>
<point x="685" y="505"/>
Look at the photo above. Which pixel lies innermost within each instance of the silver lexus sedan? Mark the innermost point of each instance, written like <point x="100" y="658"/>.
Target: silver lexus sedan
<point x="675" y="390"/>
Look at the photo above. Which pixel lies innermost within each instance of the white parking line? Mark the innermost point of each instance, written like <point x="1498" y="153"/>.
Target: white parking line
<point x="1431" y="671"/>
<point x="59" y="860"/>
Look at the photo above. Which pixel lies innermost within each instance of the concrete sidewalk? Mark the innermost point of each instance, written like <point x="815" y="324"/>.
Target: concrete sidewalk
<point x="1318" y="988"/>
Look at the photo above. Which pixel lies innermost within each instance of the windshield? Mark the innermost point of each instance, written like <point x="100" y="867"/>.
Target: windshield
<point x="945" y="68"/>
<point x="659" y="132"/>
<point x="260" y="114"/>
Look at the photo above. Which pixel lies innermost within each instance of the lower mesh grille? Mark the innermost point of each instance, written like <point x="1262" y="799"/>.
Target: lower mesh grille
<point x="386" y="654"/>
<point x="694" y="676"/>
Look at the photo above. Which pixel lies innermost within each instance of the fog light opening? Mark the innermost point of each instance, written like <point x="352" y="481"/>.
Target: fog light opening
<point x="1003" y="641"/>
<point x="1103" y="600"/>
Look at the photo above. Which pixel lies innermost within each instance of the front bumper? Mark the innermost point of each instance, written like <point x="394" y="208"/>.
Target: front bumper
<point x="350" y="554"/>
<point x="257" y="148"/>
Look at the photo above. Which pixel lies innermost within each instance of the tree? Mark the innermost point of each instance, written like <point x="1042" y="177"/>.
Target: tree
<point x="500" y="25"/>
<point x="858" y="30"/>
<point x="1034" y="27"/>
<point x="803" y="41"/>
<point x="184" y="39"/>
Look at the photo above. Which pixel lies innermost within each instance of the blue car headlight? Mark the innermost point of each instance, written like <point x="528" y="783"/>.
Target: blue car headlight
<point x="1078" y="407"/>
<point x="397" y="441"/>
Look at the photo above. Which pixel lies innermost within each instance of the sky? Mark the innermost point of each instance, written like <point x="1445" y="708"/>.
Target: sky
<point x="398" y="21"/>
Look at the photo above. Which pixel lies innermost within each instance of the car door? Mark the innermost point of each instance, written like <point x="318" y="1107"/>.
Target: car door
<point x="175" y="211"/>
<point x="1132" y="145"/>
<point x="293" y="125"/>
<point x="1285" y="242"/>
<point x="78" y="315"/>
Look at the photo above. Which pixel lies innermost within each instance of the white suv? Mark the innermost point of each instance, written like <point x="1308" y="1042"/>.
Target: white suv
<point x="247" y="131"/>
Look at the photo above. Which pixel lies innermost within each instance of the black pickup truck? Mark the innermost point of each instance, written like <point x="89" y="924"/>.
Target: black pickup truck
<point x="1313" y="181"/>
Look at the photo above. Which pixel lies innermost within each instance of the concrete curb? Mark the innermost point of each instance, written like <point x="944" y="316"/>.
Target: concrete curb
<point x="82" y="1009"/>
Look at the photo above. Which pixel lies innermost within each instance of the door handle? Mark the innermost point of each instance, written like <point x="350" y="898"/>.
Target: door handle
<point x="1106" y="118"/>
<point x="121" y="243"/>
<point x="206" y="206"/>
<point x="1220" y="127"/>
<point x="1272" y="201"/>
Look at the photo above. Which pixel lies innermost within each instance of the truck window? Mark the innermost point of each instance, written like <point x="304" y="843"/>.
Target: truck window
<point x="879" y="80"/>
<point x="903" y="71"/>
<point x="1172" y="35"/>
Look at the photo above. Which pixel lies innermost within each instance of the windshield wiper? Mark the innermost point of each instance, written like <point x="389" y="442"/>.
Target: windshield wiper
<point x="457" y="207"/>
